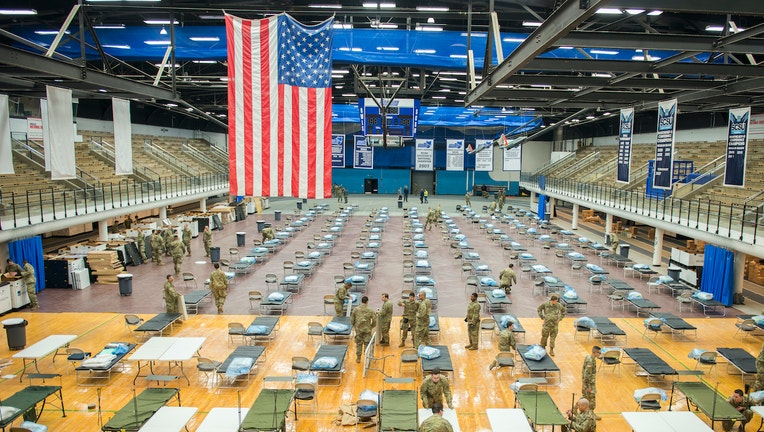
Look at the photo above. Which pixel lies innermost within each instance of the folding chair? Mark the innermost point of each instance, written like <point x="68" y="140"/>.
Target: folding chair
<point x="708" y="358"/>
<point x="616" y="297"/>
<point x="236" y="329"/>
<point x="299" y="255"/>
<point x="254" y="299"/>
<point x="409" y="356"/>
<point x="408" y="266"/>
<point x="684" y="298"/>
<point x="650" y="402"/>
<point x="487" y="325"/>
<point x="408" y="280"/>
<point x="315" y="329"/>
<point x="188" y="276"/>
<point x="208" y="368"/>
<point x="367" y="416"/>
<point x="271" y="280"/>
<point x="300" y="364"/>
<point x="654" y="325"/>
<point x="504" y="360"/>
<point x="348" y="268"/>
<point x="133" y="321"/>
<point x="75" y="355"/>
<point x="233" y="255"/>
<point x="747" y="326"/>
<point x="472" y="283"/>
<point x="611" y="358"/>
<point x="328" y="301"/>
<point x="305" y="392"/>
<point x="288" y="266"/>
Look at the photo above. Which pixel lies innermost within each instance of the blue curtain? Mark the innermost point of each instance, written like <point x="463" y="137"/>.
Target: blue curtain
<point x="717" y="279"/>
<point x="30" y="249"/>
<point x="542" y="207"/>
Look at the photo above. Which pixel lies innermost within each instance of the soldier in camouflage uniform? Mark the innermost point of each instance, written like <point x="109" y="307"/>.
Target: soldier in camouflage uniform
<point x="582" y="419"/>
<point x="506" y="342"/>
<point x="552" y="312"/>
<point x="12" y="267"/>
<point x="340" y="296"/>
<point x="207" y="239"/>
<point x="363" y="320"/>
<point x="589" y="378"/>
<point x="176" y="249"/>
<point x="157" y="247"/>
<point x="140" y="243"/>
<point x="743" y="404"/>
<point x="187" y="239"/>
<point x="385" y="317"/>
<point x="170" y="295"/>
<point x="167" y="237"/>
<point x="467" y="199"/>
<point x="423" y="321"/>
<point x="434" y="388"/>
<point x="759" y="383"/>
<point x="492" y="207"/>
<point x="436" y="422"/>
<point x="31" y="282"/>
<point x="473" y="322"/>
<point x="219" y="287"/>
<point x="268" y="234"/>
<point x="408" y="321"/>
<point x="507" y="278"/>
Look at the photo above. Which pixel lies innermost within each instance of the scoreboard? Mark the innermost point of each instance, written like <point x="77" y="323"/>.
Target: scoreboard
<point x="401" y="115"/>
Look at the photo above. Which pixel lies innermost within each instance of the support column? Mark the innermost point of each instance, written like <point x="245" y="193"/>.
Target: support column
<point x="737" y="279"/>
<point x="608" y="222"/>
<point x="203" y="205"/>
<point x="658" y="247"/>
<point x="574" y="222"/>
<point x="552" y="204"/>
<point x="103" y="230"/>
<point x="532" y="198"/>
<point x="162" y="212"/>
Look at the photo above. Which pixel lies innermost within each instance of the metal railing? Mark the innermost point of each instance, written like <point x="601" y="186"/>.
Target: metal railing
<point x="166" y="157"/>
<point x="202" y="158"/>
<point x="106" y="151"/>
<point x="33" y="152"/>
<point x="738" y="222"/>
<point x="579" y="165"/>
<point x="543" y="169"/>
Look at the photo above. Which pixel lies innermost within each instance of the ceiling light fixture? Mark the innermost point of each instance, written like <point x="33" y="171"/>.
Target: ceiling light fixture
<point x="531" y="23"/>
<point x="18" y="12"/>
<point x="634" y="11"/>
<point x="431" y="9"/>
<point x="163" y="31"/>
<point x="205" y="38"/>
<point x="603" y="52"/>
<point x="609" y="11"/>
<point x="655" y="13"/>
<point x="160" y="22"/>
<point x="109" y="27"/>
<point x="325" y="6"/>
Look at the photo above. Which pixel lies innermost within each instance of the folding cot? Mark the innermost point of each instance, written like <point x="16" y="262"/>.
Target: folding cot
<point x="740" y="359"/>
<point x="573" y="305"/>
<point x="272" y="245"/>
<point x="711" y="306"/>
<point x="539" y="408"/>
<point x="422" y="267"/>
<point x="159" y="323"/>
<point x="398" y="411"/>
<point x="607" y="331"/>
<point x="305" y="268"/>
<point x="642" y="303"/>
<point x="470" y="256"/>
<point x="502" y="319"/>
<point x="596" y="247"/>
<point x="140" y="408"/>
<point x="678" y="326"/>
<point x="330" y="374"/>
<point x="334" y="329"/>
<point x="545" y="367"/>
<point x="431" y="293"/>
<point x="284" y="235"/>
<point x="315" y="256"/>
<point x="540" y="270"/>
<point x="517" y="246"/>
<point x="276" y="304"/>
<point x="194" y="299"/>
<point x="369" y="256"/>
<point x="594" y="269"/>
<point x="358" y="282"/>
<point x="268" y="412"/>
<point x="643" y="270"/>
<point x="487" y="283"/>
<point x="292" y="282"/>
<point x="655" y="368"/>
<point x="26" y="400"/>
<point x="443" y="362"/>
<point x="564" y="247"/>
<point x="364" y="268"/>
<point x="480" y="268"/>
<point x="259" y="253"/>
<point x="424" y="281"/>
<point x="496" y="303"/>
<point x="244" y="266"/>
<point x="576" y="257"/>
<point x="676" y="287"/>
<point x="526" y="258"/>
<point x="240" y="365"/>
<point x="434" y="326"/>
<point x="96" y="370"/>
<point x="618" y="259"/>
<point x="261" y="329"/>
<point x="325" y="248"/>
<point x="707" y="400"/>
<point x="619" y="285"/>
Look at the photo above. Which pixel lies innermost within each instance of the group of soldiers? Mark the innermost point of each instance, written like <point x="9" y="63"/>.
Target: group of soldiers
<point x="433" y="214"/>
<point x="164" y="242"/>
<point x="340" y="192"/>
<point x="27" y="275"/>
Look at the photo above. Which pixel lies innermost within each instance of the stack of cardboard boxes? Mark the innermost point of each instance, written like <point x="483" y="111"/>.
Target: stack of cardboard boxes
<point x="106" y="266"/>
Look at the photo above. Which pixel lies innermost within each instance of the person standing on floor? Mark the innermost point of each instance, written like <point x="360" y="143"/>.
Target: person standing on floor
<point x="436" y="422"/>
<point x="434" y="389"/>
<point x="363" y="321"/>
<point x="423" y="320"/>
<point x="167" y="237"/>
<point x="385" y="317"/>
<point x="589" y="378"/>
<point x="759" y="383"/>
<point x="176" y="250"/>
<point x="128" y="222"/>
<point x="12" y="267"/>
<point x="406" y="193"/>
<point x="467" y="199"/>
<point x="170" y="295"/>
<point x="421" y="196"/>
<point x="207" y="240"/>
<point x="408" y="321"/>
<point x="552" y="312"/>
<point x="31" y="282"/>
<point x="614" y="242"/>
<point x="473" y="322"/>
<point x="426" y="196"/>
<point x="340" y="296"/>
<point x="219" y="287"/>
<point x="140" y="243"/>
<point x="507" y="278"/>
<point x="157" y="247"/>
<point x="187" y="239"/>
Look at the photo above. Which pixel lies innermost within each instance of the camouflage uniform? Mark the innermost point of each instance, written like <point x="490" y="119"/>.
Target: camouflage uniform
<point x="467" y="199"/>
<point x="501" y="203"/>
<point x="187" y="239"/>
<point x="552" y="314"/>
<point x="219" y="288"/>
<point x="473" y="324"/>
<point x="589" y="381"/>
<point x="492" y="207"/>
<point x="31" y="282"/>
<point x="422" y="335"/>
<point x="408" y="321"/>
<point x="128" y="222"/>
<point x="432" y="219"/>
<point x="339" y="299"/>
<point x="614" y="242"/>
<point x="171" y="297"/>
<point x="13" y="268"/>
<point x="207" y="239"/>
<point x="507" y="340"/>
<point x="140" y="243"/>
<point x="583" y="422"/>
<point x="385" y="317"/>
<point x="759" y="383"/>
<point x="363" y="320"/>
<point x="176" y="249"/>
<point x="268" y="234"/>
<point x="507" y="278"/>
<point x="432" y="392"/>
<point x="167" y="237"/>
<point x="746" y="403"/>
<point x="436" y="423"/>
<point x="157" y="247"/>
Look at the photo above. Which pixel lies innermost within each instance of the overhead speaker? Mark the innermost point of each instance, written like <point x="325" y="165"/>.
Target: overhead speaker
<point x="583" y="4"/>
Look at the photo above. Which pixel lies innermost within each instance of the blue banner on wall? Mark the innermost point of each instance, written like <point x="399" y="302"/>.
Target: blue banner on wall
<point x="624" y="144"/>
<point x="737" y="146"/>
<point x="664" y="145"/>
<point x="338" y="151"/>
<point x="363" y="154"/>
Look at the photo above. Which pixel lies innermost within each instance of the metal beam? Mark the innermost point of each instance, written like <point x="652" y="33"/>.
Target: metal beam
<point x="700" y="7"/>
<point x="665" y="42"/>
<point x="562" y="21"/>
<point x="547" y="95"/>
<point x="62" y="70"/>
<point x="578" y="65"/>
<point x="584" y="81"/>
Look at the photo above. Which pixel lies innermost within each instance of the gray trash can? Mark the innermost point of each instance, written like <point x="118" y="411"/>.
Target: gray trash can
<point x="260" y="225"/>
<point x="214" y="254"/>
<point x="278" y="213"/>
<point x="125" y="284"/>
<point x="625" y="250"/>
<point x="400" y="203"/>
<point x="16" y="332"/>
<point x="241" y="238"/>
<point x="673" y="273"/>
<point x="305" y="200"/>
<point x="299" y="206"/>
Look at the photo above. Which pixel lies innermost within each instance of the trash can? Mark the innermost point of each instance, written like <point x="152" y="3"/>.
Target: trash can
<point x="16" y="332"/>
<point x="241" y="238"/>
<point x="214" y="254"/>
<point x="673" y="273"/>
<point x="305" y="200"/>
<point x="547" y="216"/>
<point x="260" y="225"/>
<point x="278" y="213"/>
<point x="299" y="206"/>
<point x="625" y="250"/>
<point x="400" y="203"/>
<point x="125" y="284"/>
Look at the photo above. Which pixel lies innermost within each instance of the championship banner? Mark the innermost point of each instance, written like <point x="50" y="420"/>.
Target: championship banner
<point x="737" y="146"/>
<point x="424" y="157"/>
<point x="664" y="145"/>
<point x="338" y="151"/>
<point x="363" y="153"/>
<point x="455" y="155"/>
<point x="624" y="144"/>
<point x="484" y="158"/>
<point x="512" y="160"/>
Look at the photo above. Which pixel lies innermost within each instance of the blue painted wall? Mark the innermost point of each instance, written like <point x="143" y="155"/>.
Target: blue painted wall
<point x="389" y="179"/>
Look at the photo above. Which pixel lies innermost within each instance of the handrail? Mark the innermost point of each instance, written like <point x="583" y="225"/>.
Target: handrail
<point x="752" y="197"/>
<point x="549" y="163"/>
<point x="107" y="150"/>
<point x="163" y="155"/>
<point x="709" y="168"/>
<point x="637" y="177"/>
<point x="579" y="164"/>
<point x="39" y="156"/>
<point x="201" y="157"/>
<point x="610" y="166"/>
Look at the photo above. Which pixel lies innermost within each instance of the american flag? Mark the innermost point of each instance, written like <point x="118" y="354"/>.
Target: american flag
<point x="279" y="107"/>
